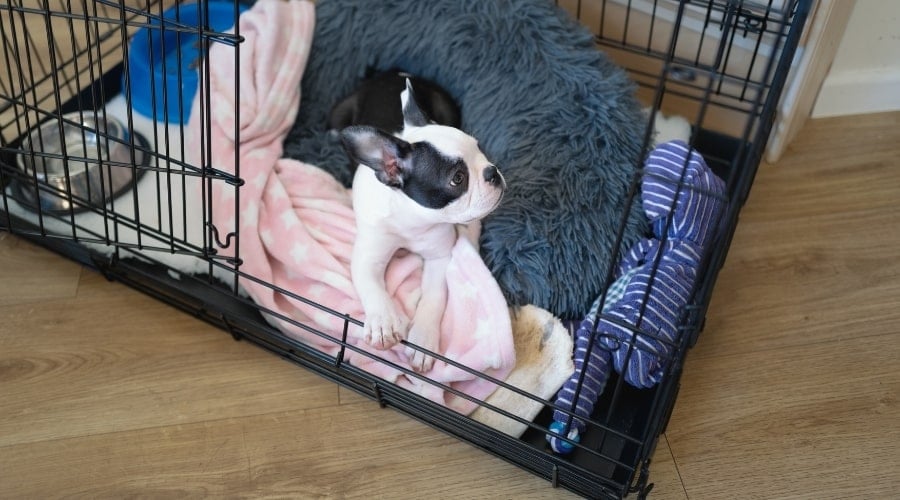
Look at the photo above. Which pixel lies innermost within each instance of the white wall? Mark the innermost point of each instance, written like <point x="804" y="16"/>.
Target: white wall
<point x="865" y="75"/>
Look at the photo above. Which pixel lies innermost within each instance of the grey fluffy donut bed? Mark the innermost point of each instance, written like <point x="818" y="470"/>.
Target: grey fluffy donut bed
<point x="555" y="114"/>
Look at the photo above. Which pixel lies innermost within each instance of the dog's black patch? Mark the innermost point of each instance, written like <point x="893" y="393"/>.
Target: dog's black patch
<point x="435" y="180"/>
<point x="376" y="102"/>
<point x="420" y="170"/>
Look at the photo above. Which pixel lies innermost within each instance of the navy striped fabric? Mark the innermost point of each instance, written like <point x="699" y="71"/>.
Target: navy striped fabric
<point x="638" y="327"/>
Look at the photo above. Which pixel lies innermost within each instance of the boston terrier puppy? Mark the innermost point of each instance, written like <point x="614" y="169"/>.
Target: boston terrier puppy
<point x="418" y="186"/>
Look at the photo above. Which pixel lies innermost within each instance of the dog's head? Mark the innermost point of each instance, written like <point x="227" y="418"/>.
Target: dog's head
<point x="440" y="168"/>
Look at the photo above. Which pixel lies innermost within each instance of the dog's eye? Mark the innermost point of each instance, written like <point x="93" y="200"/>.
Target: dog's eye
<point x="458" y="178"/>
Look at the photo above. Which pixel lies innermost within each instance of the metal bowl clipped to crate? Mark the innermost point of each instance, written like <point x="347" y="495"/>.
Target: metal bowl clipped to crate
<point x="78" y="161"/>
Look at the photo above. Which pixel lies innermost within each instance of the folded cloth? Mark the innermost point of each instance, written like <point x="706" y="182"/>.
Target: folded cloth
<point x="296" y="224"/>
<point x="638" y="328"/>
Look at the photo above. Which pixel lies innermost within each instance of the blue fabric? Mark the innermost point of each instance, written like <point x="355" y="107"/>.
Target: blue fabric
<point x="638" y="330"/>
<point x="551" y="111"/>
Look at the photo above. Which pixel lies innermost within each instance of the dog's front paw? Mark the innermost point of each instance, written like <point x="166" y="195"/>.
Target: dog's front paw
<point x="385" y="328"/>
<point x="425" y="338"/>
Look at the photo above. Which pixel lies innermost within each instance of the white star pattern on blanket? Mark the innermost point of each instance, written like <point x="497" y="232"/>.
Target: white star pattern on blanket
<point x="278" y="193"/>
<point x="250" y="215"/>
<point x="468" y="291"/>
<point x="256" y="155"/>
<point x="225" y="192"/>
<point x="299" y="252"/>
<point x="260" y="180"/>
<point x="323" y="318"/>
<point x="336" y="280"/>
<point x="483" y="330"/>
<point x="316" y="292"/>
<point x="266" y="237"/>
<point x="492" y="359"/>
<point x="289" y="219"/>
<point x="222" y="111"/>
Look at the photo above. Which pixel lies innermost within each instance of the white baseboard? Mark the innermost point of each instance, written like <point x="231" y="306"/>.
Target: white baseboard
<point x="859" y="92"/>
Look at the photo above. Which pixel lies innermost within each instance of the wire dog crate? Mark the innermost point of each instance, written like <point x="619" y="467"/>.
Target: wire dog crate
<point x="80" y="130"/>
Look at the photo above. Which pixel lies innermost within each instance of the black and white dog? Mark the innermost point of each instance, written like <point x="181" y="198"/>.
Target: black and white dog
<point x="421" y="185"/>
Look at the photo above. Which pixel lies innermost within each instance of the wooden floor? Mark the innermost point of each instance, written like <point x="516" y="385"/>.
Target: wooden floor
<point x="792" y="391"/>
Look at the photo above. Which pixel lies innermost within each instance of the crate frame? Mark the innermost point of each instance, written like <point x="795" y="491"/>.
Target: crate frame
<point x="736" y="156"/>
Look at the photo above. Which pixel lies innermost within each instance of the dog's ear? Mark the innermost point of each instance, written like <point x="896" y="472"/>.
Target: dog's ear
<point x="412" y="115"/>
<point x="387" y="155"/>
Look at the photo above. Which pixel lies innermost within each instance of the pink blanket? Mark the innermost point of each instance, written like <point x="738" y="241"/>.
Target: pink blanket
<point x="297" y="225"/>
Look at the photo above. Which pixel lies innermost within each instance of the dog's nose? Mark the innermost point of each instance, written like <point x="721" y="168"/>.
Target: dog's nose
<point x="492" y="175"/>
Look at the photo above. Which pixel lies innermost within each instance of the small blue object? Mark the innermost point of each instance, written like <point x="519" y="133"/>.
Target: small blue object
<point x="162" y="58"/>
<point x="558" y="445"/>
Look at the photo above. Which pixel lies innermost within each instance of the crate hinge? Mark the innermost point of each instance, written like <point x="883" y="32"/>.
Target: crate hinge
<point x="236" y="335"/>
<point x="379" y="396"/>
<point x="641" y="485"/>
<point x="103" y="266"/>
<point x="340" y="356"/>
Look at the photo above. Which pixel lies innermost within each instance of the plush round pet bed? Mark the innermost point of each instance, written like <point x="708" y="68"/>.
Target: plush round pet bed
<point x="557" y="117"/>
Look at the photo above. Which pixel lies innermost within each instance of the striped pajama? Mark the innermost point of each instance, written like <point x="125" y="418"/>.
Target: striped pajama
<point x="638" y="327"/>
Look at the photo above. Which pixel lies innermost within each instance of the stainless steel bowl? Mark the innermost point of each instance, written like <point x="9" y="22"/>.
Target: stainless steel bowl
<point x="78" y="162"/>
